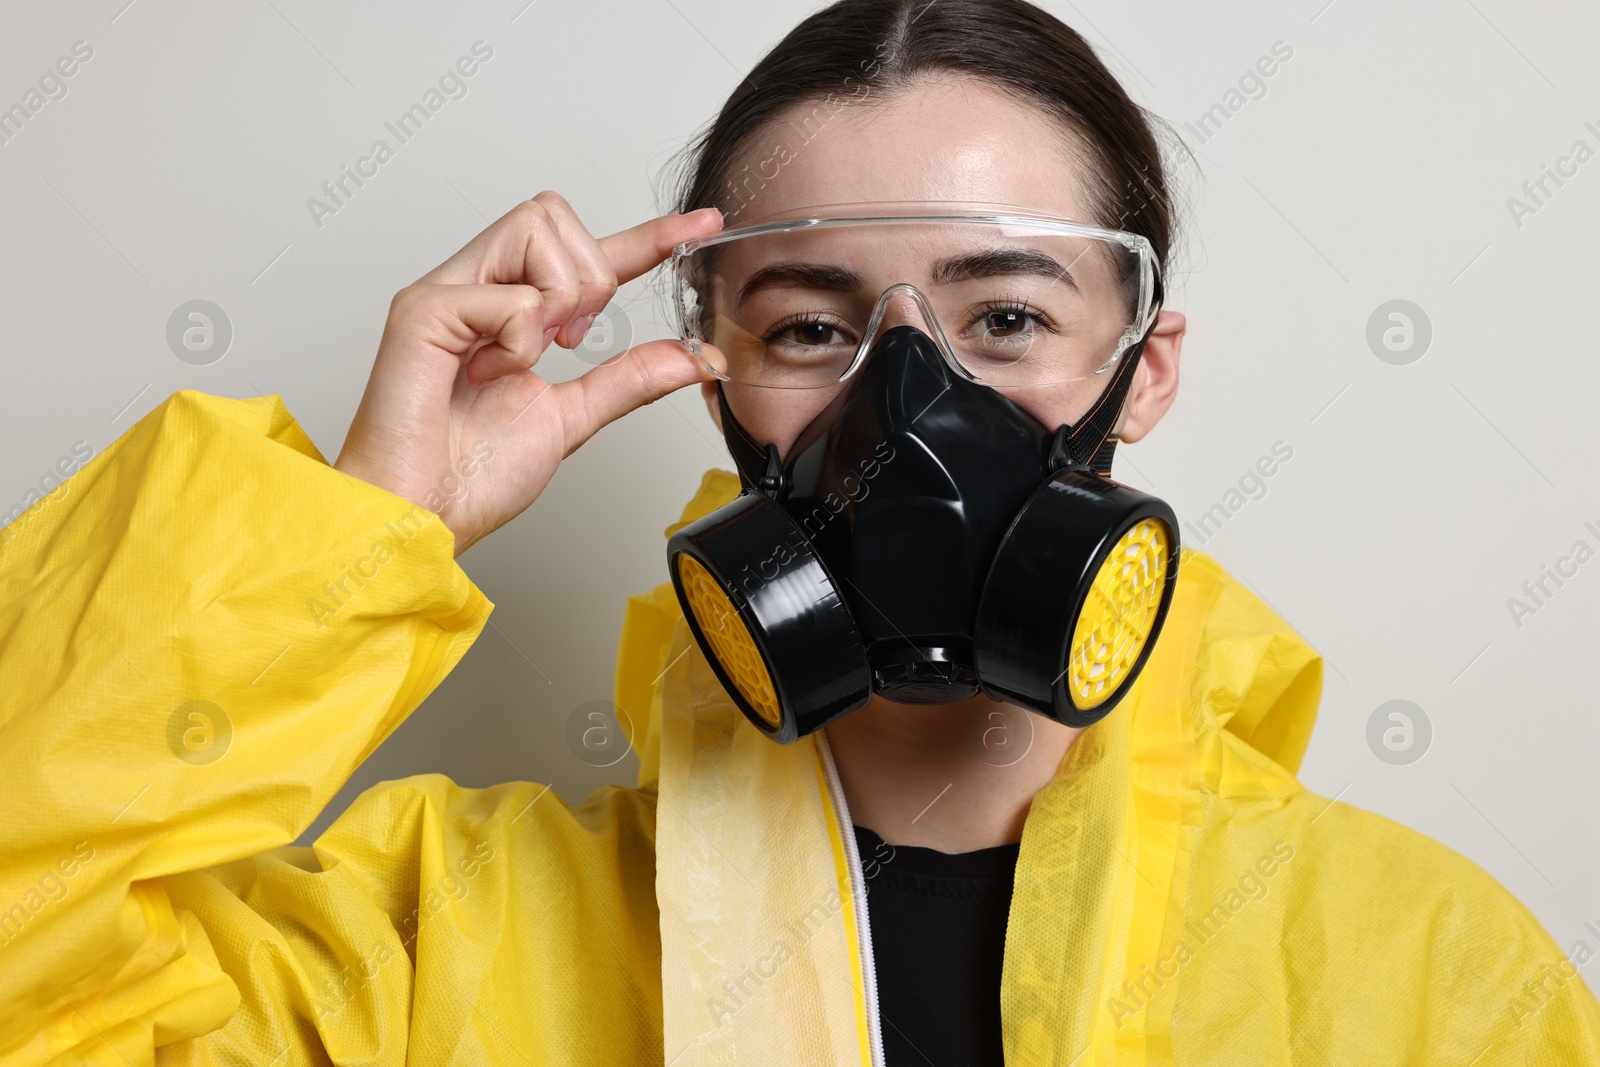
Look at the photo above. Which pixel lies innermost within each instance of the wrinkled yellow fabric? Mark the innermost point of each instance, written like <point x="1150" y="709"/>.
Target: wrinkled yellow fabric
<point x="1180" y="898"/>
<point x="429" y="924"/>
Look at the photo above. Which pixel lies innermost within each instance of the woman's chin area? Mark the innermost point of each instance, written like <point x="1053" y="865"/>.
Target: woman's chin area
<point x="955" y="776"/>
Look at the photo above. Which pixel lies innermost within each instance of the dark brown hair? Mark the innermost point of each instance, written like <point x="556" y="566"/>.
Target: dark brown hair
<point x="853" y="50"/>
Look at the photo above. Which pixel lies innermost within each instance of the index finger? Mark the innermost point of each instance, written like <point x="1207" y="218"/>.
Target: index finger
<point x="639" y="248"/>
<point x="514" y="246"/>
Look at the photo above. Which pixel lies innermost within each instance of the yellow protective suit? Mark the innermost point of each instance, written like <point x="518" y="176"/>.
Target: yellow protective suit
<point x="207" y="628"/>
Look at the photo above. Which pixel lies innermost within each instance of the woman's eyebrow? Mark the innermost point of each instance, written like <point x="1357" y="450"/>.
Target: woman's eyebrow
<point x="801" y="275"/>
<point x="954" y="269"/>
<point x="1000" y="261"/>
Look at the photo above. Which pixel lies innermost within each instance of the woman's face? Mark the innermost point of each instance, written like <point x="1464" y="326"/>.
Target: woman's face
<point x="938" y="139"/>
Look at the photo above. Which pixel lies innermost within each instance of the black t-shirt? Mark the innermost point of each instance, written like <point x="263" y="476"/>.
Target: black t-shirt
<point x="938" y="939"/>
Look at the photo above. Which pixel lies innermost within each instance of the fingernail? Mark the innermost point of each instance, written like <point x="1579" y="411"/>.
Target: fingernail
<point x="580" y="328"/>
<point x="548" y="334"/>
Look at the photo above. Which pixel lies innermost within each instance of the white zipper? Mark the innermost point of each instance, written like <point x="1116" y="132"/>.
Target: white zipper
<point x="858" y="894"/>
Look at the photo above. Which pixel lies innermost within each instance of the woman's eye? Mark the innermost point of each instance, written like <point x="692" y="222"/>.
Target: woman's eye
<point x="1005" y="322"/>
<point x="813" y="334"/>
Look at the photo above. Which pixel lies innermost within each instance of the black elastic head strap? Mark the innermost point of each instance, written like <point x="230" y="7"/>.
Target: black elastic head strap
<point x="749" y="457"/>
<point x="1089" y="442"/>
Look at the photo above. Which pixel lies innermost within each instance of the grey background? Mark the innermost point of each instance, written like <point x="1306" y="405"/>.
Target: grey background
<point x="1376" y="167"/>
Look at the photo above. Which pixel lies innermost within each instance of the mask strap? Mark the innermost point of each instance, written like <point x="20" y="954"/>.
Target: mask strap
<point x="758" y="465"/>
<point x="1090" y="442"/>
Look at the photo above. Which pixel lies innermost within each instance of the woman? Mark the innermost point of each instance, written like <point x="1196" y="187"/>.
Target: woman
<point x="259" y="622"/>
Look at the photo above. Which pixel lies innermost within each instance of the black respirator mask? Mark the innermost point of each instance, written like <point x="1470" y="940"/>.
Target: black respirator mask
<point x="928" y="539"/>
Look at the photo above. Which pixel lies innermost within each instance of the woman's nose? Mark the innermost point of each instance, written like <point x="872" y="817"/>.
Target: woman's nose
<point x="903" y="309"/>
<point x="905" y="305"/>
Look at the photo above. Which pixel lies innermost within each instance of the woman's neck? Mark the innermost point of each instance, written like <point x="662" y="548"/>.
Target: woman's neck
<point x="954" y="777"/>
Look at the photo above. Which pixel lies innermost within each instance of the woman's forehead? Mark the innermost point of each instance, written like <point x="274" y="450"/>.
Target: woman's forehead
<point x="934" y="139"/>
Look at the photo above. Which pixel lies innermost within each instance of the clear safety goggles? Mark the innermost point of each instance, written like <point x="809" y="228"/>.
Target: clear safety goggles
<point x="1012" y="296"/>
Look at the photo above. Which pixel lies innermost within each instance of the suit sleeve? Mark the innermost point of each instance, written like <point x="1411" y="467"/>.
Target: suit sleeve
<point x="202" y="633"/>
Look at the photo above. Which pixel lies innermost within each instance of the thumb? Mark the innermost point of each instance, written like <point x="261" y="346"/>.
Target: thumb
<point x="641" y="375"/>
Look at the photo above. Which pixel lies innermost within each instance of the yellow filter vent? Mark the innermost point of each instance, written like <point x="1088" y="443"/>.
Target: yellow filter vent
<point x="730" y="641"/>
<point x="1118" y="614"/>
